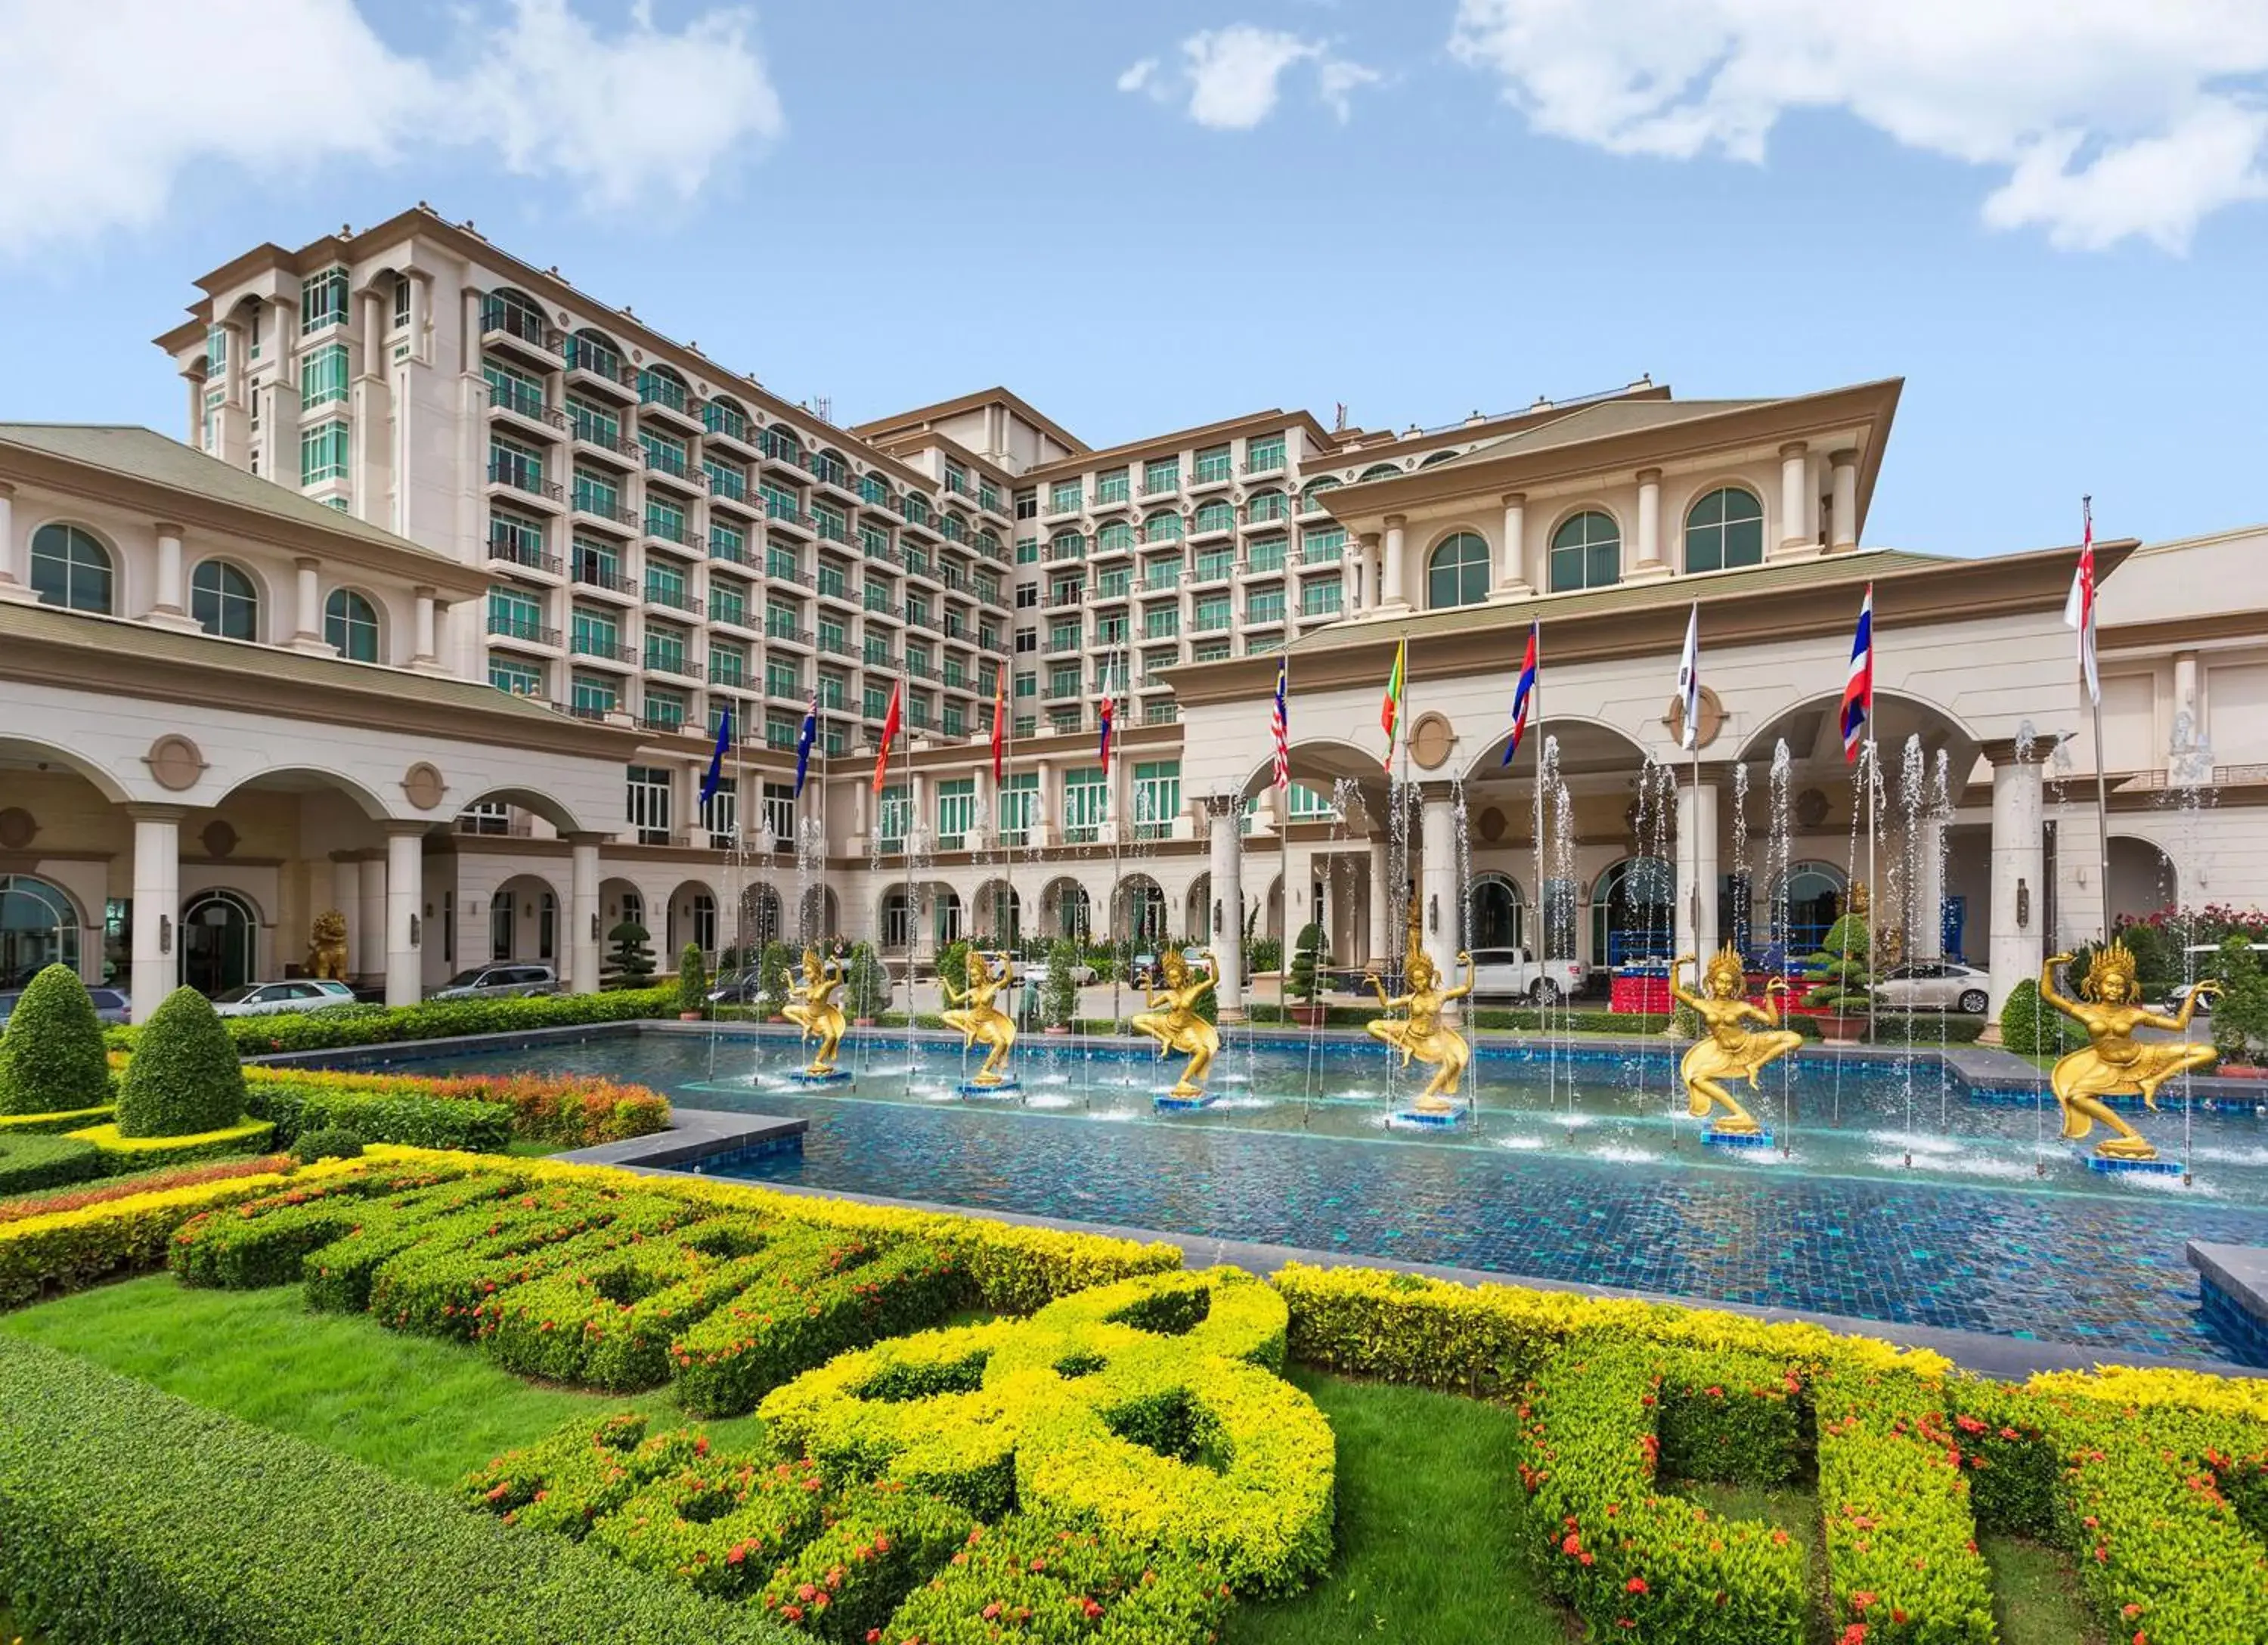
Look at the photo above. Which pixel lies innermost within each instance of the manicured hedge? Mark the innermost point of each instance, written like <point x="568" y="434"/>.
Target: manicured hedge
<point x="159" y="1523"/>
<point x="436" y="1019"/>
<point x="29" y="1163"/>
<point x="384" y="1115"/>
<point x="51" y="1050"/>
<point x="122" y="1153"/>
<point x="100" y="1189"/>
<point x="881" y="1542"/>
<point x="573" y="1111"/>
<point x="185" y="1080"/>
<point x="55" y="1124"/>
<point x="1028" y="1579"/>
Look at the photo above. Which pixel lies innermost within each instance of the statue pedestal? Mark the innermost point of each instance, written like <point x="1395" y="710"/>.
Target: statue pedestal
<point x="1170" y="1104"/>
<point x="1428" y="1118"/>
<point x="2133" y="1168"/>
<point x="1712" y="1138"/>
<point x="819" y="1081"/>
<point x="1010" y="1086"/>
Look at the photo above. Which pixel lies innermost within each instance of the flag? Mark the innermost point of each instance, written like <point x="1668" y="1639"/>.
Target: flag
<point x="2079" y="609"/>
<point x="1689" y="680"/>
<point x="716" y="755"/>
<point x="889" y="735"/>
<point x="809" y="736"/>
<point x="1522" y="692"/>
<point x="1105" y="716"/>
<point x="1389" y="713"/>
<point x="1859" y="688"/>
<point x="999" y="723"/>
<point x="1279" y="723"/>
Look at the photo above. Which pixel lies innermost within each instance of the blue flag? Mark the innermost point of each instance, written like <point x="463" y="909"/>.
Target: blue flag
<point x="803" y="742"/>
<point x="717" y="755"/>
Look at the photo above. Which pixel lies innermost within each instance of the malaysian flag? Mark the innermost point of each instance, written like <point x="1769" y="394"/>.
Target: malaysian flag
<point x="2079" y="609"/>
<point x="1523" y="693"/>
<point x="1280" y="723"/>
<point x="1859" y="688"/>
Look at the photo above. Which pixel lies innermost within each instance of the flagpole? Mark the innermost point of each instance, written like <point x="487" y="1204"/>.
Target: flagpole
<point x="1538" y="939"/>
<point x="906" y="846"/>
<point x="1117" y="840"/>
<point x="1283" y="874"/>
<point x="2102" y="781"/>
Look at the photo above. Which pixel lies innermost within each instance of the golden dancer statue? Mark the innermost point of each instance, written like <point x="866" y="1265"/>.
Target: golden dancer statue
<point x="1178" y="1027"/>
<point x="813" y="1010"/>
<point x="1422" y="1036"/>
<point x="2110" y="1009"/>
<point x="1729" y="1047"/>
<point x="978" y="1019"/>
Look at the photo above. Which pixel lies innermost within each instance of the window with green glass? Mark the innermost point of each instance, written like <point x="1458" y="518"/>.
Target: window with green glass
<point x="1724" y="530"/>
<point x="1457" y="572"/>
<point x="728" y="602"/>
<point x="1027" y="685"/>
<point x="516" y="612"/>
<point x="832" y="636"/>
<point x="1208" y="614"/>
<point x="917" y="610"/>
<point x="323" y="376"/>
<point x="1115" y="583"/>
<point x="1587" y="552"/>
<point x="1161" y="622"/>
<point x="832" y="523"/>
<point x="1213" y="516"/>
<point x="323" y="453"/>
<point x="516" y="674"/>
<point x="781" y="619"/>
<point x="892" y="815"/>
<point x="350" y="625"/>
<point x="779" y="502"/>
<point x="1117" y="537"/>
<point x="1209" y="650"/>
<point x="666" y="520"/>
<point x="594" y="694"/>
<point x="1087" y="804"/>
<point x="728" y="663"/>
<point x="726" y="479"/>
<point x="728" y="542"/>
<point x="594" y="423"/>
<point x="1111" y="487"/>
<point x="216" y="352"/>
<point x="782" y="563"/>
<point x="1161" y="573"/>
<point x="1156" y="798"/>
<point x="1028" y="550"/>
<point x="1164" y="526"/>
<point x="1213" y="463"/>
<point x="322" y="301"/>
<point x="1111" y="631"/>
<point x="1264" y="454"/>
<point x="1322" y="545"/>
<point x="1161" y="474"/>
<point x="1062" y="634"/>
<point x="1264" y="506"/>
<point x="1266" y="554"/>
<point x="1264" y="605"/>
<point x="515" y="537"/>
<point x="508" y="387"/>
<point x="1321" y="598"/>
<point x="1063" y="496"/>
<point x="875" y="701"/>
<point x="956" y="811"/>
<point x="595" y="632"/>
<point x="596" y="493"/>
<point x="874" y="491"/>
<point x="784" y="676"/>
<point x="1215" y="563"/>
<point x="665" y="647"/>
<point x="665" y="582"/>
<point x="664" y="451"/>
<point x="665" y="707"/>
<point x="512" y="463"/>
<point x="1309" y="806"/>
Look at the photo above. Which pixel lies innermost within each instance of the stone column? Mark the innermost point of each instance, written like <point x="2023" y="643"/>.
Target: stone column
<point x="2019" y="860"/>
<point x="425" y="656"/>
<point x="1224" y="812"/>
<point x="1843" y="530"/>
<point x="2188" y="727"/>
<point x="1383" y="937"/>
<point x="1796" y="537"/>
<point x="1926" y="922"/>
<point x="157" y="905"/>
<point x="1512" y="569"/>
<point x="582" y="923"/>
<point x="15" y="558"/>
<point x="1394" y="588"/>
<point x="1439" y="911"/>
<point x="405" y="912"/>
<point x="169" y="602"/>
<point x="346" y="897"/>
<point x="1649" y="562"/>
<point x="369" y="949"/>
<point x="1696" y="866"/>
<point x="308" y="580"/>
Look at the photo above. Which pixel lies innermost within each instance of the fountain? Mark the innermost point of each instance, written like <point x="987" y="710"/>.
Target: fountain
<point x="1423" y="1036"/>
<point x="1178" y="1028"/>
<point x="1726" y="1048"/>
<point x="1779" y="872"/>
<point x="982" y="1023"/>
<point x="2113" y="1062"/>
<point x="814" y="1012"/>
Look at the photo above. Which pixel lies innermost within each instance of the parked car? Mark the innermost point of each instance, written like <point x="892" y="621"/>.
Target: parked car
<point x="736" y="987"/>
<point x="1935" y="985"/>
<point x="1146" y="972"/>
<point x="259" y="999"/>
<point x="499" y="982"/>
<point x="110" y="1005"/>
<point x="1510" y="974"/>
<point x="2202" y="960"/>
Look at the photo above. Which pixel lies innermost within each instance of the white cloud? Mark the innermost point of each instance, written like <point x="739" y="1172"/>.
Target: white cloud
<point x="2106" y="119"/>
<point x="99" y="123"/>
<point x="1232" y="78"/>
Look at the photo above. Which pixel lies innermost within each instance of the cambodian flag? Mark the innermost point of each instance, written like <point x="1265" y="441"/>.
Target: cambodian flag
<point x="1523" y="692"/>
<point x="1859" y="688"/>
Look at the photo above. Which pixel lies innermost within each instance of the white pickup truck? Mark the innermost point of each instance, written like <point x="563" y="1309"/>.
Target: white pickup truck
<point x="1509" y="974"/>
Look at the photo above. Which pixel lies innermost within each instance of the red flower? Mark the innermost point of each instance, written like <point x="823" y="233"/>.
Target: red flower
<point x="1636" y="1585"/>
<point x="1855" y="1634"/>
<point x="1572" y="1545"/>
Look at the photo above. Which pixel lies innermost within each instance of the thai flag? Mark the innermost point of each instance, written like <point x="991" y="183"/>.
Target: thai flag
<point x="2079" y="608"/>
<point x="1859" y="688"/>
<point x="809" y="736"/>
<point x="1522" y="693"/>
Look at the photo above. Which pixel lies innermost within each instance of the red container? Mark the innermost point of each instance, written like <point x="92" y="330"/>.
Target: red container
<point x="1639" y="994"/>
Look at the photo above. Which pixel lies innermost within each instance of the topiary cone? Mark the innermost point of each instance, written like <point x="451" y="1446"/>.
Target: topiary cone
<point x="51" y="1057"/>
<point x="184" y="1079"/>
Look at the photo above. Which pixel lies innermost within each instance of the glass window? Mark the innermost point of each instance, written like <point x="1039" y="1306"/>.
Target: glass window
<point x="516" y="674"/>
<point x="594" y="423"/>
<point x="1457" y="572"/>
<point x="1587" y="552"/>
<point x="1063" y="496"/>
<point x="1164" y="526"/>
<point x="665" y="708"/>
<point x="516" y="612"/>
<point x="223" y="601"/>
<point x="323" y="453"/>
<point x="1213" y="464"/>
<point x="649" y="803"/>
<point x="216" y="350"/>
<point x="400" y="300"/>
<point x="1156" y="798"/>
<point x="1321" y="598"/>
<point x="1264" y="455"/>
<point x="594" y="632"/>
<point x="1019" y="807"/>
<point x="1086" y="802"/>
<point x="1111" y="487"/>
<point x="1117" y="537"/>
<point x="1161" y="474"/>
<point x="323" y="376"/>
<point x="595" y="695"/>
<point x="1213" y="516"/>
<point x="892" y="816"/>
<point x="322" y="301"/>
<point x="1264" y="606"/>
<point x="1208" y="614"/>
<point x="1724" y="530"/>
<point x="956" y="813"/>
<point x="350" y="625"/>
<point x="71" y="569"/>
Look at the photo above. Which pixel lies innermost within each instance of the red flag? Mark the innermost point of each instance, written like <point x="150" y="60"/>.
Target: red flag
<point x="999" y="723"/>
<point x="889" y="735"/>
<point x="2079" y="608"/>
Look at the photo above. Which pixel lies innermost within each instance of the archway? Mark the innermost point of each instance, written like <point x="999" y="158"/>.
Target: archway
<point x="997" y="913"/>
<point x="1139" y="907"/>
<point x="523" y="920"/>
<point x="821" y="919"/>
<point x="1066" y="911"/>
<point x="1632" y="903"/>
<point x="2143" y="878"/>
<point x="759" y="921"/>
<point x="692" y="917"/>
<point x="1806" y="902"/>
<point x="1197" y="911"/>
<point x="945" y="923"/>
<point x="219" y="941"/>
<point x="39" y="927"/>
<point x="1495" y="915"/>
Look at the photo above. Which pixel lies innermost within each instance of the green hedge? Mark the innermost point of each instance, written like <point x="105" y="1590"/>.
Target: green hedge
<point x="56" y="1125"/>
<point x="29" y="1163"/>
<point x="51" y="1054"/>
<point x="420" y="1122"/>
<point x="160" y="1523"/>
<point x="2034" y="1029"/>
<point x="1049" y="1585"/>
<point x="184" y="1079"/>
<point x="343" y="1026"/>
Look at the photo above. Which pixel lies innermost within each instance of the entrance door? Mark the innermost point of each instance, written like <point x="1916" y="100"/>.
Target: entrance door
<point x="218" y="943"/>
<point x="39" y="927"/>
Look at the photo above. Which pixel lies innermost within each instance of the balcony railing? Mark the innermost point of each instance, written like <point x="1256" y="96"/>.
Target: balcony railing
<point x="733" y="611"/>
<point x="582" y="355"/>
<point x="1162" y="484"/>
<point x="601" y="645"/>
<point x="725" y="422"/>
<point x="780" y="448"/>
<point x="666" y="720"/>
<point x="1270" y="462"/>
<point x="655" y="390"/>
<point x="829" y="472"/>
<point x="615" y="582"/>
<point x="512" y="320"/>
<point x="521" y="474"/>
<point x="606" y="506"/>
<point x="508" y="545"/>
<point x="527" y="402"/>
<point x="667" y="460"/>
<point x="788" y="632"/>
<point x="662" y="594"/>
<point x="516" y="628"/>
<point x="733" y="549"/>
<point x="670" y="660"/>
<point x="1216" y="471"/>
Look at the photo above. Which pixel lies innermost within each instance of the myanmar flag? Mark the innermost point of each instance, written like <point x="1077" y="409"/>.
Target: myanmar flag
<point x="1390" y="713"/>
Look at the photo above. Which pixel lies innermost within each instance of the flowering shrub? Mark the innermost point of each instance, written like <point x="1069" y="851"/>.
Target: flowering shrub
<point x="565" y="1484"/>
<point x="121" y="1154"/>
<point x="882" y="1541"/>
<point x="719" y="1525"/>
<point x="148" y="1182"/>
<point x="1029" y="1580"/>
<point x="436" y="1019"/>
<point x="572" y="1110"/>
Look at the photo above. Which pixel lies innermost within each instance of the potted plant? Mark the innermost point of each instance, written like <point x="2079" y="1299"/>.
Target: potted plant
<point x="631" y="963"/>
<point x="692" y="985"/>
<point x="1307" y="983"/>
<point x="1841" y="976"/>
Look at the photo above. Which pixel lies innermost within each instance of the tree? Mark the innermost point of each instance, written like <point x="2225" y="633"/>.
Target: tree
<point x="1306" y="957"/>
<point x="184" y="1079"/>
<point x="692" y="980"/>
<point x="1059" y="1000"/>
<point x="868" y="988"/>
<point x="2034" y="1029"/>
<point x="773" y="967"/>
<point x="51" y="1057"/>
<point x="1841" y="971"/>
<point x="632" y="962"/>
<point x="2240" y="1015"/>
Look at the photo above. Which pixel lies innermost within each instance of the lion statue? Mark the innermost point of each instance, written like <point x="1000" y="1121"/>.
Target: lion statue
<point x="327" y="957"/>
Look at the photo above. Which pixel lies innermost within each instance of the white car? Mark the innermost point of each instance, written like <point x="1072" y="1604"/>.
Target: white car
<point x="1509" y="974"/>
<point x="2202" y="959"/>
<point x="1935" y="985"/>
<point x="259" y="999"/>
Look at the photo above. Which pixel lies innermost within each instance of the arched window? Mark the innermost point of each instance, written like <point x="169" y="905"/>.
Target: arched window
<point x="71" y="570"/>
<point x="1164" y="526"/>
<point x="1117" y="537"/>
<point x="39" y="927"/>
<point x="1310" y="497"/>
<point x="515" y="312"/>
<point x="223" y="601"/>
<point x="351" y="624"/>
<point x="219" y="943"/>
<point x="1633" y="907"/>
<point x="1442" y="455"/>
<point x="1378" y="471"/>
<point x="1213" y="516"/>
<point x="1587" y="552"/>
<point x="1494" y="914"/>
<point x="1457" y="572"/>
<point x="1725" y="528"/>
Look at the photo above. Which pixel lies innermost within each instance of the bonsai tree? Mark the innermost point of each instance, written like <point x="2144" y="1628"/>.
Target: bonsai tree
<point x="1059" y="999"/>
<point x="692" y="980"/>
<point x="1306" y="956"/>
<point x="867" y="991"/>
<point x="184" y="1079"/>
<point x="632" y="962"/>
<point x="1841" y="972"/>
<point x="51" y="1055"/>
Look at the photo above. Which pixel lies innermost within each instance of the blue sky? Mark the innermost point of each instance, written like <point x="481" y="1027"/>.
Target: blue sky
<point x="2045" y="214"/>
